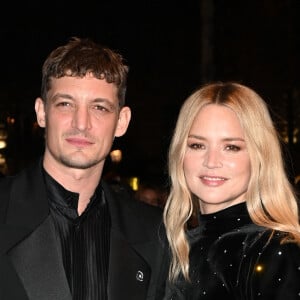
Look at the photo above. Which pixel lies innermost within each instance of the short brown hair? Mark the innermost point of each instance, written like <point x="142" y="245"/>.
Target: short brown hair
<point x="82" y="56"/>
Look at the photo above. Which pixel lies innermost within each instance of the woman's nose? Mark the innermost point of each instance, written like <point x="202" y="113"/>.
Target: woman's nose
<point x="212" y="159"/>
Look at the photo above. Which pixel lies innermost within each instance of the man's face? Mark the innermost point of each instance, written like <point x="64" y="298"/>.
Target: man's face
<point x="81" y="118"/>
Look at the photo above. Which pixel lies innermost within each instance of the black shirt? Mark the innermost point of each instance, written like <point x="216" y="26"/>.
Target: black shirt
<point x="83" y="240"/>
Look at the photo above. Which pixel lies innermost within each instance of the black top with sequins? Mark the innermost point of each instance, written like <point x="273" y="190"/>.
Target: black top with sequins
<point x="232" y="258"/>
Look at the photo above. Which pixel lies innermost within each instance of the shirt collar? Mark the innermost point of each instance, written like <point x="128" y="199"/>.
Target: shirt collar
<point x="67" y="201"/>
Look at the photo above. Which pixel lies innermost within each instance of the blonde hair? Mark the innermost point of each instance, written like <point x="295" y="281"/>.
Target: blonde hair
<point x="271" y="200"/>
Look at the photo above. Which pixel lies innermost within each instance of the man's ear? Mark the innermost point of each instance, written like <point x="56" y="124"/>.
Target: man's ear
<point x="123" y="122"/>
<point x="40" y="112"/>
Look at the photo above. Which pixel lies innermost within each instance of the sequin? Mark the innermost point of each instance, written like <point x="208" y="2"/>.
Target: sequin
<point x="237" y="258"/>
<point x="258" y="268"/>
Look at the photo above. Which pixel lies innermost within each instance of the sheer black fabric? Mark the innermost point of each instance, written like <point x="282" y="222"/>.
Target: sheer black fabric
<point x="83" y="240"/>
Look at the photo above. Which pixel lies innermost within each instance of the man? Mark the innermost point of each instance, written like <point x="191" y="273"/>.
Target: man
<point x="64" y="234"/>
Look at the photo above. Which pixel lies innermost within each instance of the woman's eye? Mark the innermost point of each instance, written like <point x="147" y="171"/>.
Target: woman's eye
<point x="232" y="148"/>
<point x="196" y="146"/>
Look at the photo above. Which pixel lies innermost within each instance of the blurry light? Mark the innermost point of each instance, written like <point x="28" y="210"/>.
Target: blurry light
<point x="2" y="144"/>
<point x="10" y="120"/>
<point x="134" y="183"/>
<point x="3" y="134"/>
<point x="2" y="160"/>
<point x="116" y="156"/>
<point x="259" y="268"/>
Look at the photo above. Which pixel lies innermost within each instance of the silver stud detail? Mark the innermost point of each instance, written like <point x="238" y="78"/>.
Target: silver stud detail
<point x="139" y="276"/>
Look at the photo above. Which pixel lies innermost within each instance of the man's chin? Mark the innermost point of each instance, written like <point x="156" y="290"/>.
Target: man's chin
<point x="78" y="163"/>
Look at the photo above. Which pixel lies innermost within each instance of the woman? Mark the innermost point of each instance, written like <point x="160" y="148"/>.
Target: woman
<point x="226" y="167"/>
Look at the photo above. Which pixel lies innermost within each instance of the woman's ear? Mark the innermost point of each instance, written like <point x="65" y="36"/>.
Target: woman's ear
<point x="40" y="112"/>
<point x="123" y="122"/>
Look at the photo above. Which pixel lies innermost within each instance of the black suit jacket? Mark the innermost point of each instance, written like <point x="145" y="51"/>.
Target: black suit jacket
<point x="31" y="266"/>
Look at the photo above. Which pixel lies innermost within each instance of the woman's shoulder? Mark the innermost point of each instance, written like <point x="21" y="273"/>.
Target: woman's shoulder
<point x="234" y="245"/>
<point x="256" y="259"/>
<point x="254" y="245"/>
<point x="253" y="239"/>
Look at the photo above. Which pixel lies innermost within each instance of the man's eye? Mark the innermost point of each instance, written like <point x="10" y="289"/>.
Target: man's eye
<point x="100" y="107"/>
<point x="63" y="104"/>
<point x="104" y="108"/>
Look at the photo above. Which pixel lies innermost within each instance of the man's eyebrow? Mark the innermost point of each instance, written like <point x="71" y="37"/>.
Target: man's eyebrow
<point x="95" y="100"/>
<point x="106" y="101"/>
<point x="61" y="95"/>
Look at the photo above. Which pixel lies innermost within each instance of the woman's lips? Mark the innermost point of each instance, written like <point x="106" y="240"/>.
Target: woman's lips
<point x="212" y="180"/>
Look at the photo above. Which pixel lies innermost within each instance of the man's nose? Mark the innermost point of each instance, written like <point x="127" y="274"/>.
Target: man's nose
<point x="81" y="118"/>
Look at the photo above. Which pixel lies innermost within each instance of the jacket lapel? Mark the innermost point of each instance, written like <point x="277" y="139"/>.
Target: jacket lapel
<point x="28" y="238"/>
<point x="129" y="272"/>
<point x="39" y="266"/>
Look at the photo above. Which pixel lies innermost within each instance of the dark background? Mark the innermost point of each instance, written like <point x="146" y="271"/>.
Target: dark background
<point x="172" y="47"/>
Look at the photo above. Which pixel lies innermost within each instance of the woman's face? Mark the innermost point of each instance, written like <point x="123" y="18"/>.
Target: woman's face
<point x="216" y="163"/>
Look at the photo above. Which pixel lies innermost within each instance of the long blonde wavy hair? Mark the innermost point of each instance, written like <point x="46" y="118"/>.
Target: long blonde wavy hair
<point x="271" y="200"/>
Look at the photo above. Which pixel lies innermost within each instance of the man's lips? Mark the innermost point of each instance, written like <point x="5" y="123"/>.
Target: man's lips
<point x="79" y="142"/>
